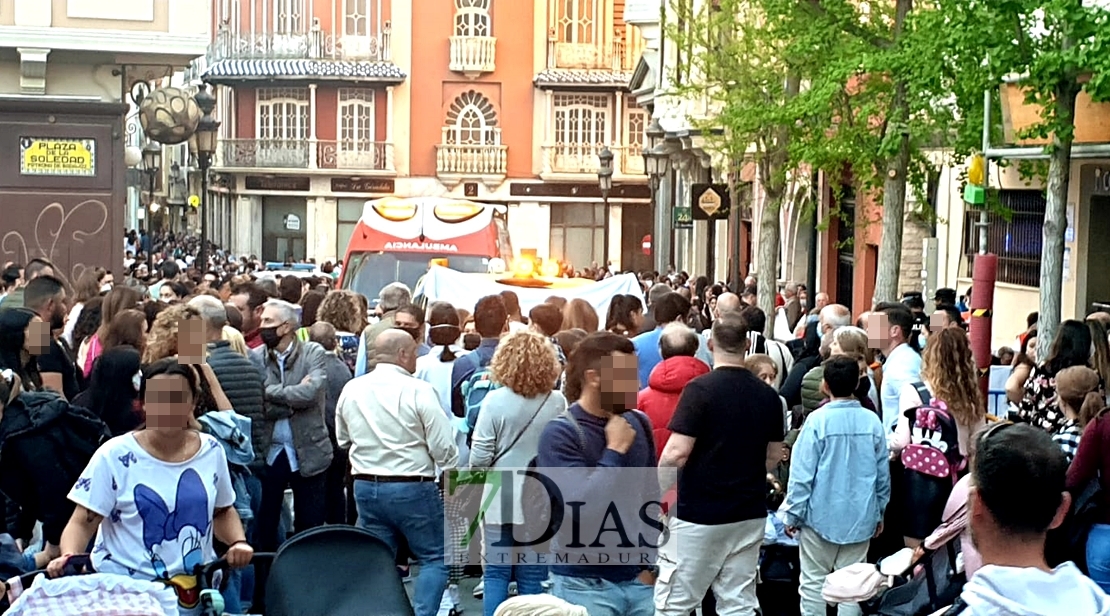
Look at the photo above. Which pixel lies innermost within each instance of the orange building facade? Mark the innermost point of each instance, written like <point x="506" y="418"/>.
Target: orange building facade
<point x="326" y="104"/>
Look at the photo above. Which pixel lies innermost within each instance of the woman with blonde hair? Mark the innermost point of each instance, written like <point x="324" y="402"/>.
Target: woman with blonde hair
<point x="162" y="339"/>
<point x="948" y="377"/>
<point x="507" y="436"/>
<point x="579" y="314"/>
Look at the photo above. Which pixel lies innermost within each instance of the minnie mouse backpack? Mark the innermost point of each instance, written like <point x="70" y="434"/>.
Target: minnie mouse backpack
<point x="934" y="448"/>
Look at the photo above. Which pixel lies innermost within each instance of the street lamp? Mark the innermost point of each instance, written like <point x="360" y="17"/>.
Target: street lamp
<point x="152" y="160"/>
<point x="605" y="173"/>
<point x="206" y="136"/>
<point x="655" y="166"/>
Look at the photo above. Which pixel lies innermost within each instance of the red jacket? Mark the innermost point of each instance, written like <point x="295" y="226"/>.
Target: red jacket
<point x="659" y="399"/>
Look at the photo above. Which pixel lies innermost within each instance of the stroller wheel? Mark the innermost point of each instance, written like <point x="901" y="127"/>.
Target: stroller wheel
<point x="211" y="602"/>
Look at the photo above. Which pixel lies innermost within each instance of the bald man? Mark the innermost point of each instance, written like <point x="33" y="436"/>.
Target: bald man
<point x="728" y="302"/>
<point x="398" y="435"/>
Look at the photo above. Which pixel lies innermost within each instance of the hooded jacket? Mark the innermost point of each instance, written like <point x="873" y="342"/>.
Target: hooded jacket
<point x="1020" y="591"/>
<point x="659" y="399"/>
<point x="46" y="443"/>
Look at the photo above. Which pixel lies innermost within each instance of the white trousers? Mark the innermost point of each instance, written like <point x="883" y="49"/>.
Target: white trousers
<point x="696" y="558"/>
<point x="819" y="559"/>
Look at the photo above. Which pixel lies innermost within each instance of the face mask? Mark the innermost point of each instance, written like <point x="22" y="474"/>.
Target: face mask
<point x="270" y="337"/>
<point x="104" y="288"/>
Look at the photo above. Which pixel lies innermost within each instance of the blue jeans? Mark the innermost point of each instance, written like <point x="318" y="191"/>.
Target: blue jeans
<point x="1098" y="555"/>
<point x="413" y="511"/>
<point x="604" y="598"/>
<point x="529" y="575"/>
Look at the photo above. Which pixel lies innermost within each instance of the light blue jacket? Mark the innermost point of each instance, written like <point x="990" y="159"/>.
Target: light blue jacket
<point x="839" y="474"/>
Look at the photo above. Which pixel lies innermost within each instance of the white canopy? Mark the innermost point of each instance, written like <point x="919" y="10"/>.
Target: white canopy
<point x="464" y="290"/>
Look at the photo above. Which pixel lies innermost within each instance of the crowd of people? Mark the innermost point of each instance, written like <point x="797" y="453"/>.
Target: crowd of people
<point x="807" y="443"/>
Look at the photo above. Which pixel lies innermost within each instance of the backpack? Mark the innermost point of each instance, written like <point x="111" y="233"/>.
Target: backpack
<point x="934" y="449"/>
<point x="474" y="390"/>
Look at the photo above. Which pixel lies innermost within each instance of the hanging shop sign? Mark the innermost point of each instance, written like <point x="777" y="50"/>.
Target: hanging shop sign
<point x="709" y="201"/>
<point x="57" y="157"/>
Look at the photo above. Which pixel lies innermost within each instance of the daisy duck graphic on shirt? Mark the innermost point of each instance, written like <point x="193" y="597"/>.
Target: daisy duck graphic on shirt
<point x="182" y="531"/>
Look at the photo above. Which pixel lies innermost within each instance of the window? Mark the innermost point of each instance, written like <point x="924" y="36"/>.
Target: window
<point x="348" y="212"/>
<point x="581" y="119"/>
<point x="354" y="17"/>
<point x="356" y="119"/>
<point x="578" y="233"/>
<point x="289" y="16"/>
<point x="472" y="120"/>
<point x="472" y="18"/>
<point x="635" y="125"/>
<point x="576" y="21"/>
<point x="283" y="114"/>
<point x="1017" y="242"/>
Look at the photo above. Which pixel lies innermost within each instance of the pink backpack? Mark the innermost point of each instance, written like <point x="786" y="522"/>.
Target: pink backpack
<point x="934" y="448"/>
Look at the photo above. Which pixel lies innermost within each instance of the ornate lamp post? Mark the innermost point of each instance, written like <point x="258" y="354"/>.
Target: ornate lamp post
<point x="206" y="137"/>
<point x="152" y="160"/>
<point x="605" y="185"/>
<point x="655" y="166"/>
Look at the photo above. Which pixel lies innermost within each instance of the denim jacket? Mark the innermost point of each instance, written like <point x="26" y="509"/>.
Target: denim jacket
<point x="839" y="474"/>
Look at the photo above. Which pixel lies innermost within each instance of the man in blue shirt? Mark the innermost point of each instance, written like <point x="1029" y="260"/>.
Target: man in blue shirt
<point x="601" y="430"/>
<point x="491" y="320"/>
<point x="839" y="485"/>
<point x="670" y="308"/>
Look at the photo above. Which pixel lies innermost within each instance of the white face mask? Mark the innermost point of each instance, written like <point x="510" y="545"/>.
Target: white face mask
<point x="104" y="288"/>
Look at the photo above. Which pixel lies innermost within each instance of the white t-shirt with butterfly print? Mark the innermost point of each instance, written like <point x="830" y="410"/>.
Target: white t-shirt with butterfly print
<point x="157" y="515"/>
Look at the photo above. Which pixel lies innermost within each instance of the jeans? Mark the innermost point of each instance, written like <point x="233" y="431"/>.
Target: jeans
<point x="819" y="558"/>
<point x="413" y="511"/>
<point x="604" y="598"/>
<point x="529" y="575"/>
<point x="1098" y="555"/>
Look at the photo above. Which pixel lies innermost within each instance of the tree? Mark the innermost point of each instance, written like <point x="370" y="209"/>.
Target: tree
<point x="735" y="59"/>
<point x="1058" y="48"/>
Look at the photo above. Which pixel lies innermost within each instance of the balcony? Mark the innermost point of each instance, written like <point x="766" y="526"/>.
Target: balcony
<point x="306" y="154"/>
<point x="312" y="45"/>
<point x="482" y="162"/>
<point x="581" y="159"/>
<point x="473" y="55"/>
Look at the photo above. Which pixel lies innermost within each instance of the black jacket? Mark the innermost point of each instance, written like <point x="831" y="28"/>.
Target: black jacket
<point x="45" y="445"/>
<point x="238" y="377"/>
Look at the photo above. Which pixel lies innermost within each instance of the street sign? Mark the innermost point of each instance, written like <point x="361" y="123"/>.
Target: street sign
<point x="683" y="218"/>
<point x="55" y="156"/>
<point x="710" y="201"/>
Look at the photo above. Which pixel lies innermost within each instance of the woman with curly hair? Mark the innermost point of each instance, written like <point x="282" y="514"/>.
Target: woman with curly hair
<point x="344" y="310"/>
<point x="507" y="436"/>
<point x="948" y="375"/>
<point x="162" y="340"/>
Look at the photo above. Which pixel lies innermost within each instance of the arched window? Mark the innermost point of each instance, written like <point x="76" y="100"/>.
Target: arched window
<point x="472" y="18"/>
<point x="472" y="120"/>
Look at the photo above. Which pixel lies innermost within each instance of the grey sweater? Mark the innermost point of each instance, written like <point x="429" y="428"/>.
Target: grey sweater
<point x="504" y="416"/>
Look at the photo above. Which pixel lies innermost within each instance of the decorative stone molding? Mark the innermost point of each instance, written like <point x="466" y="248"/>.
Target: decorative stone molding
<point x="32" y="70"/>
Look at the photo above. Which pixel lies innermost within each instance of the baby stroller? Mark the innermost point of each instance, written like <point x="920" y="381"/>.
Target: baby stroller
<point x="326" y="571"/>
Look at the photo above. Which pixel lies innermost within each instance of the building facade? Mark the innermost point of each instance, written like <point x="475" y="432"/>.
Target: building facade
<point x="329" y="103"/>
<point x="67" y="72"/>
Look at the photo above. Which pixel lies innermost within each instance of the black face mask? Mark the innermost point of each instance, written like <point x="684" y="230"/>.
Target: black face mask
<point x="863" y="388"/>
<point x="269" y="336"/>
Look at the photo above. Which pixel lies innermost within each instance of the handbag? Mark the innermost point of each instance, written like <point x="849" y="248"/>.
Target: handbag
<point x="471" y="500"/>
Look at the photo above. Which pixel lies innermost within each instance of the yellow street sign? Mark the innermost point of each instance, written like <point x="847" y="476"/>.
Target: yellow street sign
<point x="710" y="202"/>
<point x="55" y="156"/>
<point x="194" y="201"/>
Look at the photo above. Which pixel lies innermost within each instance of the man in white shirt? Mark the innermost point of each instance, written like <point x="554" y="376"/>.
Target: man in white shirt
<point x="889" y="330"/>
<point x="398" y="434"/>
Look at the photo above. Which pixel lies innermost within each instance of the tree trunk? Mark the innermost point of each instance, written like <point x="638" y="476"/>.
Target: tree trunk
<point x="770" y="233"/>
<point x="894" y="218"/>
<point x="1055" y="216"/>
<point x="894" y="184"/>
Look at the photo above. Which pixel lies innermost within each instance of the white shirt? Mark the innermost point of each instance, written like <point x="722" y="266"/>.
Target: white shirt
<point x="157" y="515"/>
<point x="394" y="425"/>
<point x="902" y="367"/>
